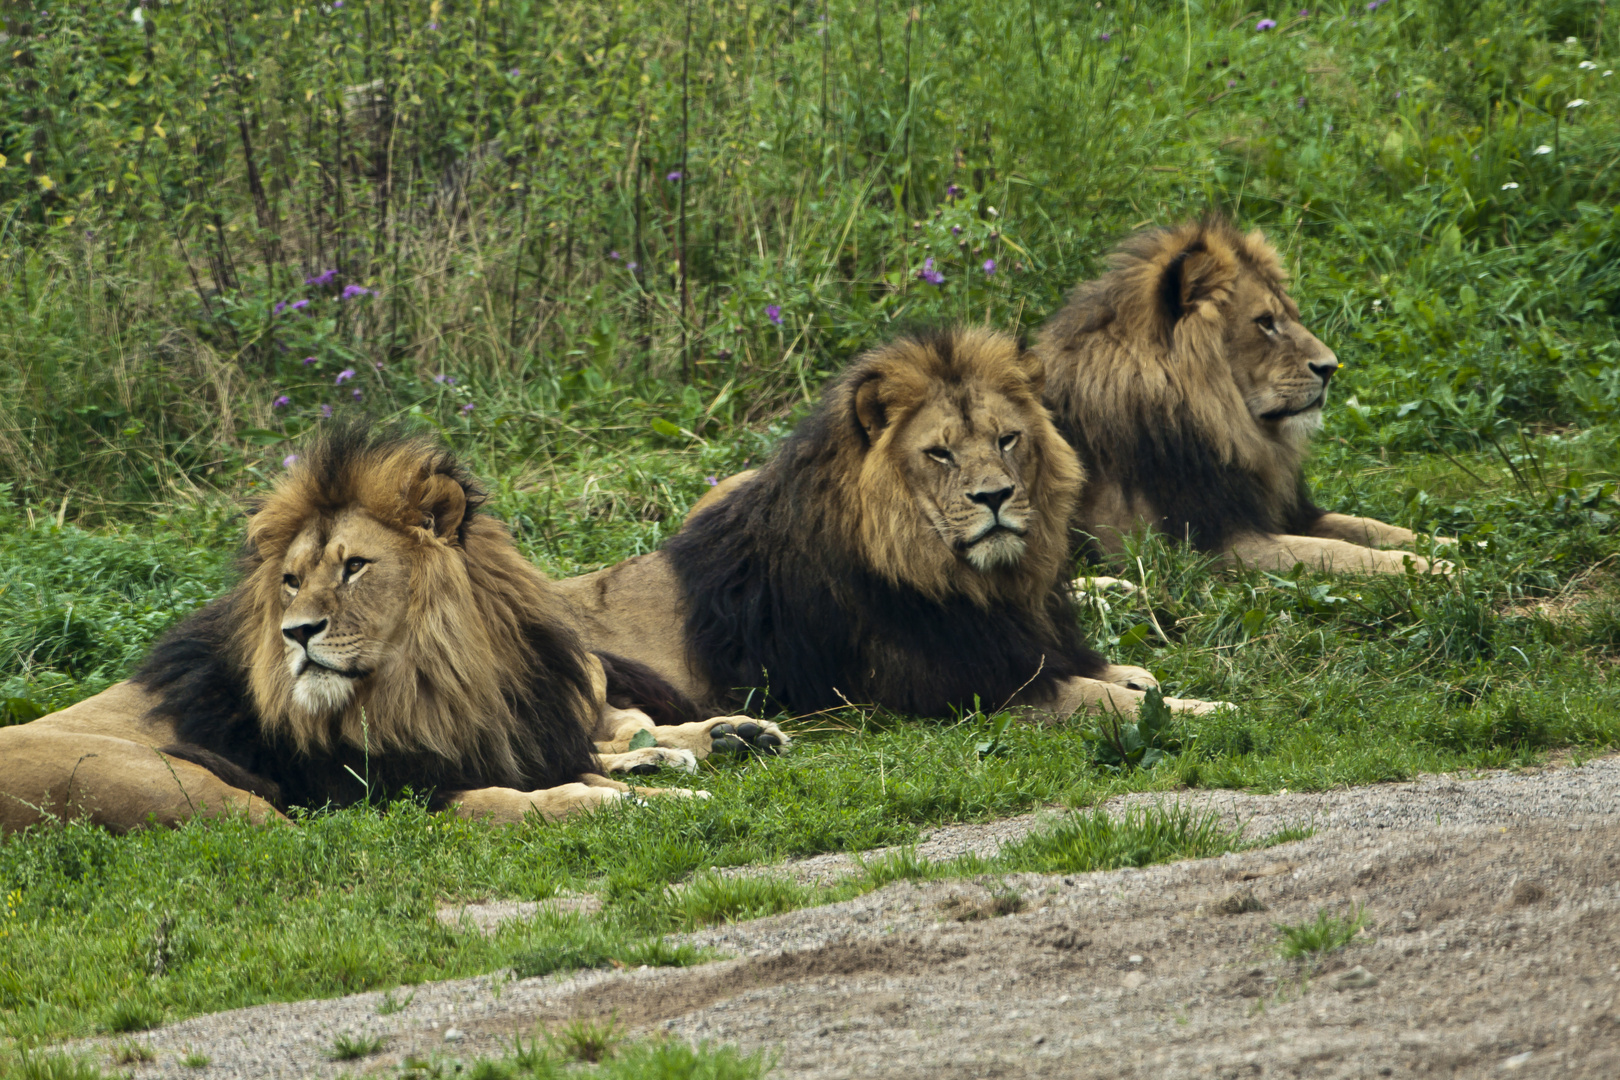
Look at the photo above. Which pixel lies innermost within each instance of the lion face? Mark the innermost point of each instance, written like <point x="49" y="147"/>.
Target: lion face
<point x="345" y="591"/>
<point x="964" y="462"/>
<point x="962" y="483"/>
<point x="1281" y="369"/>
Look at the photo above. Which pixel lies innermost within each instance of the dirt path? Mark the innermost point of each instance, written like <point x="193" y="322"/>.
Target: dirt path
<point x="1494" y="905"/>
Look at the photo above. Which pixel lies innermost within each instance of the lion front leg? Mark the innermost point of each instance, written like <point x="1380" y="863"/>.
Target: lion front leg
<point x="1094" y="695"/>
<point x="1280" y="554"/>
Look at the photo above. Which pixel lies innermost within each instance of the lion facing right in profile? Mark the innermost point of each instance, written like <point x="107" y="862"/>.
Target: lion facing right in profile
<point x="1190" y="389"/>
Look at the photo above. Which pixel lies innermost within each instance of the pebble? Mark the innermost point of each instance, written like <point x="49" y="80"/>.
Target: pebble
<point x="1357" y="978"/>
<point x="453" y="1035"/>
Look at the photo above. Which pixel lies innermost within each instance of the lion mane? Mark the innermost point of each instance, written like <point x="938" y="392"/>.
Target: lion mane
<point x="822" y="581"/>
<point x="499" y="688"/>
<point x="1141" y="382"/>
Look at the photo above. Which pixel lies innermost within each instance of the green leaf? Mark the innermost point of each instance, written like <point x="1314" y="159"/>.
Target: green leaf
<point x="666" y="429"/>
<point x="643" y="739"/>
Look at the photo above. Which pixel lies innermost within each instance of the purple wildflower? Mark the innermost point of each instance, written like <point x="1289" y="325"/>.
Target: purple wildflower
<point x="929" y="274"/>
<point x="952" y="191"/>
<point x="298" y="305"/>
<point x="344" y="376"/>
<point x="377" y="364"/>
<point x="1231" y="83"/>
<point x="774" y="313"/>
<point x="352" y="291"/>
<point x="444" y="380"/>
<point x="1265" y="24"/>
<point x="956" y="230"/>
<point x="1104" y="36"/>
<point x="281" y="401"/>
<point x="323" y="278"/>
<point x="513" y="73"/>
<point x="989" y="268"/>
<point x="712" y="481"/>
<point x="632" y="266"/>
<point x="1304" y="13"/>
<point x="281" y="305"/>
<point x="1300" y="102"/>
<point x="308" y="360"/>
<point x="466" y="410"/>
<point x="289" y="461"/>
<point x="674" y="177"/>
<point x="1374" y="5"/>
<point x="326" y="412"/>
<point x="336" y="4"/>
<point x="357" y="394"/>
<point x="433" y="26"/>
<point x="614" y="255"/>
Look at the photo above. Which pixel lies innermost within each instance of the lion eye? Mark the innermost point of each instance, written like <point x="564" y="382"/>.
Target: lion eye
<point x="291" y="581"/>
<point x="1009" y="441"/>
<point x="352" y="567"/>
<point x="1266" y="322"/>
<point x="941" y="455"/>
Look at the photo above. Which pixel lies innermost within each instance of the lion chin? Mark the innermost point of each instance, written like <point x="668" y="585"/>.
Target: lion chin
<point x="320" y="692"/>
<point x="1001" y="547"/>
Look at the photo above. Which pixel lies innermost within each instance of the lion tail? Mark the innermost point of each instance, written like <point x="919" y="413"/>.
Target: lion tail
<point x="633" y="685"/>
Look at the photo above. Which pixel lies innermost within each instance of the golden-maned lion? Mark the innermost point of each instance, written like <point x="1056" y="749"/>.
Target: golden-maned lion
<point x="1190" y="388"/>
<point x="907" y="547"/>
<point x="387" y="635"/>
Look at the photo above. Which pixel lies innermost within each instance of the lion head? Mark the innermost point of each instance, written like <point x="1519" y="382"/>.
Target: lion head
<point x="905" y="544"/>
<point x="383" y="622"/>
<point x="1185" y="376"/>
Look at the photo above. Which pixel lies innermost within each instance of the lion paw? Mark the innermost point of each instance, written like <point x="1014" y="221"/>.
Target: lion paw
<point x="649" y="759"/>
<point x="1090" y="589"/>
<point x="1132" y="678"/>
<point x="736" y="734"/>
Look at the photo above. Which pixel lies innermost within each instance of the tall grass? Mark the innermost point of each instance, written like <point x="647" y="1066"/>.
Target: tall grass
<point x="658" y="220"/>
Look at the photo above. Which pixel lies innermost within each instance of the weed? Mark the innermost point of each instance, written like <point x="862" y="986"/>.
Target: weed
<point x="132" y="1053"/>
<point x="352" y="1047"/>
<point x="132" y="1014"/>
<point x="1310" y="941"/>
<point x="712" y="898"/>
<point x="1003" y="900"/>
<point x="196" y="1059"/>
<point x="1084" y="842"/>
<point x="389" y="1005"/>
<point x="587" y="1040"/>
<point x="34" y="1065"/>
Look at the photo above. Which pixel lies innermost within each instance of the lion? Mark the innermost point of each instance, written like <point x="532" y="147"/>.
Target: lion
<point x="1190" y="388"/>
<point x="906" y="547"/>
<point x="387" y="635"/>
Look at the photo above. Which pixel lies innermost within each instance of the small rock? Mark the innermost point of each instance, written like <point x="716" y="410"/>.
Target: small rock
<point x="1134" y="979"/>
<point x="1134" y="959"/>
<point x="1525" y="893"/>
<point x="1039" y="1039"/>
<point x="1357" y="978"/>
<point x="453" y="1034"/>
<point x="1516" y="1060"/>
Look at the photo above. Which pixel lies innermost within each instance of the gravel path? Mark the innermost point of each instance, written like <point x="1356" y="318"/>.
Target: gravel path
<point x="1494" y="947"/>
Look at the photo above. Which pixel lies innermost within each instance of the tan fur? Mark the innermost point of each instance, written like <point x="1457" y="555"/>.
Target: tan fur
<point x="1194" y="326"/>
<point x="437" y="631"/>
<point x="911" y="520"/>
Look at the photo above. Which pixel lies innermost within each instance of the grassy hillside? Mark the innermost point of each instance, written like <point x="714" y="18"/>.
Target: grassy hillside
<point x="610" y="249"/>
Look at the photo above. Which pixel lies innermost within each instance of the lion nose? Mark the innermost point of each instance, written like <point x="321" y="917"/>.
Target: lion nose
<point x="1324" y="369"/>
<point x="993" y="499"/>
<point x="303" y="632"/>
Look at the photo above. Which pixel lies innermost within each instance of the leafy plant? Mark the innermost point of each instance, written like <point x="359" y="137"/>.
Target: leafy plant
<point x="1122" y="745"/>
<point x="1328" y="933"/>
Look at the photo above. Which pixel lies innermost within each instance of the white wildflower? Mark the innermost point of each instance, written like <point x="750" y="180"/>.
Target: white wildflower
<point x="1577" y="103"/>
<point x="1510" y="186"/>
<point x="1586" y="65"/>
<point x="1542" y="149"/>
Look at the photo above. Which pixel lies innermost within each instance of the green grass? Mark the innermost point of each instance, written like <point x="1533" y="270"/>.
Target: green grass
<point x="347" y="1047"/>
<point x="1310" y="941"/>
<point x="139" y="274"/>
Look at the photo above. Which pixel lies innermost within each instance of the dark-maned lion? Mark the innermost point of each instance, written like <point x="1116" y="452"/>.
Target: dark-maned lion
<point x="906" y="547"/>
<point x="386" y="635"/>
<point x="1190" y="388"/>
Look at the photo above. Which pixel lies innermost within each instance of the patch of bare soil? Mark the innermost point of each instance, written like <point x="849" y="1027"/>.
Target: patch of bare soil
<point x="1492" y="948"/>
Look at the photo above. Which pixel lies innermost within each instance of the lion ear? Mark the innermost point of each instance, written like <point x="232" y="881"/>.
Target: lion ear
<point x="1034" y="371"/>
<point x="871" y="411"/>
<point x="443" y="504"/>
<point x="1195" y="275"/>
